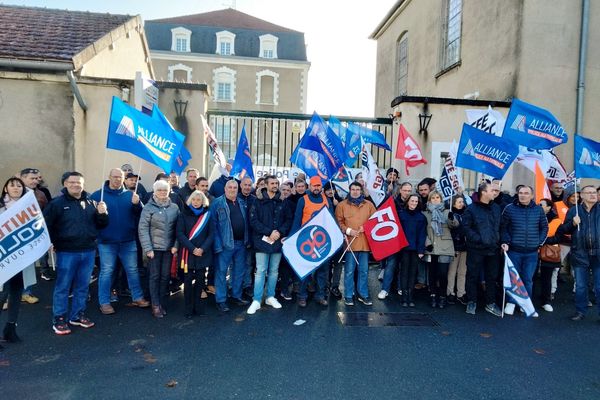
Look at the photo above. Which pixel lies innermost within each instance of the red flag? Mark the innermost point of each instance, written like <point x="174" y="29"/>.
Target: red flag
<point x="408" y="150"/>
<point x="384" y="232"/>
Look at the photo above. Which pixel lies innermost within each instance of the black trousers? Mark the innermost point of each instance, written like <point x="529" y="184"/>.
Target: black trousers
<point x="438" y="277"/>
<point x="409" y="262"/>
<point x="159" y="269"/>
<point x="12" y="291"/>
<point x="476" y="261"/>
<point x="193" y="284"/>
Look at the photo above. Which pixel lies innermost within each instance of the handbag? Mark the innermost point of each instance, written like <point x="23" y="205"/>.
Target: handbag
<point x="550" y="253"/>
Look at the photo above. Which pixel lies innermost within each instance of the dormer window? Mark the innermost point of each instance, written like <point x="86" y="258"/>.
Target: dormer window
<point x="225" y="43"/>
<point x="180" y="39"/>
<point x="268" y="46"/>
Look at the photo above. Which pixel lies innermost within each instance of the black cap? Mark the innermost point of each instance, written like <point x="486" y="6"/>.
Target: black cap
<point x="132" y="175"/>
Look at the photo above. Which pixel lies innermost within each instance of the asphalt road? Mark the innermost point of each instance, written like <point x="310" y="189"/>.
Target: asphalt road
<point x="130" y="355"/>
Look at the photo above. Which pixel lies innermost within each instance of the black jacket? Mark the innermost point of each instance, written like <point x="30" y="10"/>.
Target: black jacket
<point x="74" y="223"/>
<point x="458" y="233"/>
<point x="524" y="227"/>
<point x="185" y="222"/>
<point x="481" y="226"/>
<point x="586" y="239"/>
<point x="267" y="215"/>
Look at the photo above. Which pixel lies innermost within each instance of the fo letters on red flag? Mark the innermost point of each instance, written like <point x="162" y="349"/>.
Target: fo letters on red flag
<point x="384" y="232"/>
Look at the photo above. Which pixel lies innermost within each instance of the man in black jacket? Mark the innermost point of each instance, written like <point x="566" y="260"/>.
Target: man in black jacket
<point x="73" y="221"/>
<point x="271" y="220"/>
<point x="481" y="225"/>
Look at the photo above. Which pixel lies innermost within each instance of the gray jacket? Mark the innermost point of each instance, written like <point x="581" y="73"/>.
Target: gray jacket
<point x="157" y="226"/>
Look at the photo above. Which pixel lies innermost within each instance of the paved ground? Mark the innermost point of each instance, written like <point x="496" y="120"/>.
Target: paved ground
<point x="130" y="355"/>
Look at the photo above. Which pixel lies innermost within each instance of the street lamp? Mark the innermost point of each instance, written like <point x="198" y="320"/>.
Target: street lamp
<point x="424" y="119"/>
<point x="180" y="108"/>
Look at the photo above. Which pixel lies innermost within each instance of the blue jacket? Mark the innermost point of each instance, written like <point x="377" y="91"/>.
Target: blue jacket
<point x="267" y="215"/>
<point x="414" y="225"/>
<point x="586" y="239"/>
<point x="217" y="188"/>
<point x="122" y="225"/>
<point x="523" y="228"/>
<point x="222" y="223"/>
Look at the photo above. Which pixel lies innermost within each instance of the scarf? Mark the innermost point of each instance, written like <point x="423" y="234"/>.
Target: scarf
<point x="196" y="211"/>
<point x="198" y="227"/>
<point x="437" y="217"/>
<point x="356" y="201"/>
<point x="164" y="203"/>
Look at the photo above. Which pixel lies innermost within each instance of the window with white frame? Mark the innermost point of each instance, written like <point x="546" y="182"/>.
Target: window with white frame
<point x="402" y="66"/>
<point x="225" y="43"/>
<point x="180" y="39"/>
<point x="452" y="33"/>
<point x="224" y="84"/>
<point x="179" y="73"/>
<point x="267" y="87"/>
<point x="268" y="46"/>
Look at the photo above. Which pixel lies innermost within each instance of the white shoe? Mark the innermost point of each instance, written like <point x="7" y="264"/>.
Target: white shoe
<point x="255" y="306"/>
<point x="272" y="301"/>
<point x="509" y="309"/>
<point x="382" y="295"/>
<point x="535" y="315"/>
<point x="547" y="307"/>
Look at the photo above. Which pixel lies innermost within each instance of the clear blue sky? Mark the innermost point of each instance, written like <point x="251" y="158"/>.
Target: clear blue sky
<point x="342" y="75"/>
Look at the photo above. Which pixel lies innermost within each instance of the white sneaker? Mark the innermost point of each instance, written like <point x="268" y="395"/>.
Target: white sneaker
<point x="382" y="295"/>
<point x="535" y="315"/>
<point x="509" y="309"/>
<point x="272" y="301"/>
<point x="547" y="307"/>
<point x="255" y="306"/>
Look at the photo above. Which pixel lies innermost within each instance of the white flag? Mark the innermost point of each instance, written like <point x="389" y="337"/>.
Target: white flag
<point x="24" y="237"/>
<point x="313" y="244"/>
<point x="549" y="163"/>
<point x="490" y="120"/>
<point x="515" y="288"/>
<point x="372" y="176"/>
<point x="211" y="139"/>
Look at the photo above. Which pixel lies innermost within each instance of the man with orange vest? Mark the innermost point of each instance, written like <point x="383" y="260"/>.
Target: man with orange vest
<point x="308" y="205"/>
<point x="557" y="191"/>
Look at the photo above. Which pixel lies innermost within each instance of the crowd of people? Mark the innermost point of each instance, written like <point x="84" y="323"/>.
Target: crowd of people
<point x="225" y="240"/>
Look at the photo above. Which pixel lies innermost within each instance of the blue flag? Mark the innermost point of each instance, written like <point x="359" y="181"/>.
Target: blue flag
<point x="184" y="156"/>
<point x="369" y="135"/>
<point x="134" y="132"/>
<point x="587" y="158"/>
<point x="533" y="127"/>
<point x="479" y="151"/>
<point x="242" y="164"/>
<point x="351" y="141"/>
<point x="320" y="151"/>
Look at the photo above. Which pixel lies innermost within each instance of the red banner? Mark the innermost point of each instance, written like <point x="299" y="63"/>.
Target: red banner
<point x="384" y="232"/>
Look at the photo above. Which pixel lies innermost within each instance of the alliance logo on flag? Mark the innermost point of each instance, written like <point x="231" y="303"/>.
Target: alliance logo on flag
<point x="589" y="158"/>
<point x="519" y="123"/>
<point x="126" y="127"/>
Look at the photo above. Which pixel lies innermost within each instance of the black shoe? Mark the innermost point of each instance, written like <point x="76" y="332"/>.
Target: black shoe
<point x="241" y="302"/>
<point x="10" y="333"/>
<point x="463" y="299"/>
<point x="433" y="301"/>
<point x="451" y="299"/>
<point x="48" y="276"/>
<point x="442" y="302"/>
<point x="578" y="316"/>
<point x="365" y="300"/>
<point x="335" y="292"/>
<point x="222" y="307"/>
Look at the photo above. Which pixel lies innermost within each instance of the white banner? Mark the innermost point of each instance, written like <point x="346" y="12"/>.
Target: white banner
<point x="490" y="120"/>
<point x="313" y="244"/>
<point x="515" y="288"/>
<point x="549" y="163"/>
<point x="372" y="176"/>
<point x="217" y="153"/>
<point x="24" y="236"/>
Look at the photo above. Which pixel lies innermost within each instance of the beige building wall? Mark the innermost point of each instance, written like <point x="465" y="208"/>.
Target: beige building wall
<point x="37" y="125"/>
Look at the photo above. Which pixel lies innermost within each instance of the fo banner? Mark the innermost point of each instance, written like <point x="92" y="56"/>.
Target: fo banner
<point x="384" y="232"/>
<point x="313" y="244"/>
<point x="23" y="236"/>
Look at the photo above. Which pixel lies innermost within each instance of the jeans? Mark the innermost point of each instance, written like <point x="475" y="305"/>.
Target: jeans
<point x="237" y="259"/>
<point x="266" y="263"/>
<point x="526" y="265"/>
<point x="321" y="274"/>
<point x="363" y="274"/>
<point x="127" y="253"/>
<point x="391" y="264"/>
<point x="73" y="273"/>
<point x="581" y="284"/>
<point x="249" y="268"/>
<point x="159" y="270"/>
<point x="488" y="263"/>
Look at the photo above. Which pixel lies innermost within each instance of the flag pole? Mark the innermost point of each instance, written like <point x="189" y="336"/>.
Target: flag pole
<point x="103" y="168"/>
<point x="503" y="288"/>
<point x="576" y="199"/>
<point x="348" y="248"/>
<point x="137" y="181"/>
<point x="52" y="260"/>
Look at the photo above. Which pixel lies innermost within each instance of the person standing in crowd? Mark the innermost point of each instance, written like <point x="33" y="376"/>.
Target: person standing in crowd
<point x="231" y="237"/>
<point x="308" y="205"/>
<point x="583" y="223"/>
<point x="299" y="190"/>
<point x="73" y="221"/>
<point x="157" y="237"/>
<point x="557" y="190"/>
<point x="191" y="175"/>
<point x="500" y="198"/>
<point x="335" y="267"/>
<point x="523" y="231"/>
<point x="481" y="224"/>
<point x="439" y="248"/>
<point x="423" y="189"/>
<point x="217" y="189"/>
<point x="13" y="190"/>
<point x="271" y="221"/>
<point x="245" y="193"/>
<point x="117" y="240"/>
<point x="286" y="189"/>
<point x="401" y="195"/>
<point x="548" y="267"/>
<point x="351" y="215"/>
<point x="141" y="190"/>
<point x="174" y="182"/>
<point x="391" y="181"/>
<point x="286" y="274"/>
<point x="202" y="185"/>
<point x="46" y="273"/>
<point x="457" y="273"/>
<point x="195" y="235"/>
